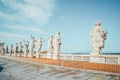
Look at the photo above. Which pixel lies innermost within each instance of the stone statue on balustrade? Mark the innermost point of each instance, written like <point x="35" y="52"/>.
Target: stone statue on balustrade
<point x="20" y="47"/>
<point x="3" y="51"/>
<point x="57" y="43"/>
<point x="50" y="45"/>
<point x="26" y="50"/>
<point x="39" y="46"/>
<point x="97" y="36"/>
<point x="6" y="49"/>
<point x="16" y="48"/>
<point x="32" y="46"/>
<point x="11" y="50"/>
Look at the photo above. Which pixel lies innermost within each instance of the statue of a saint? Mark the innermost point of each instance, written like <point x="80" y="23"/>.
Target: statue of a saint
<point x="97" y="37"/>
<point x="26" y="43"/>
<point x="57" y="44"/>
<point x="20" y="47"/>
<point x="16" y="48"/>
<point x="50" y="44"/>
<point x="39" y="44"/>
<point x="32" y="44"/>
<point x="11" y="48"/>
<point x="6" y="48"/>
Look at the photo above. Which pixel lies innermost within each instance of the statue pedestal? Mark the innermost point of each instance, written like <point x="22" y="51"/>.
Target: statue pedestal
<point x="10" y="54"/>
<point x="49" y="55"/>
<point x="37" y="55"/>
<point x="55" y="57"/>
<point x="119" y="60"/>
<point x="15" y="54"/>
<point x="25" y="55"/>
<point x="19" y="54"/>
<point x="30" y="54"/>
<point x="95" y="53"/>
<point x="97" y="59"/>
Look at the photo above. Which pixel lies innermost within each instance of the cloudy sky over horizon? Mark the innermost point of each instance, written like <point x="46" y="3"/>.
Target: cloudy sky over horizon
<point x="19" y="19"/>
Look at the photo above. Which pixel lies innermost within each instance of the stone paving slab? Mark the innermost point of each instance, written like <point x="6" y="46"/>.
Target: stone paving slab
<point x="14" y="70"/>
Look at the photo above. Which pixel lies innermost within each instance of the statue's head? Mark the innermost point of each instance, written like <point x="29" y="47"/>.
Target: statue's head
<point x="51" y="36"/>
<point x="20" y="42"/>
<point x="32" y="37"/>
<point x="41" y="38"/>
<point x="58" y="33"/>
<point x="97" y="23"/>
<point x="11" y="45"/>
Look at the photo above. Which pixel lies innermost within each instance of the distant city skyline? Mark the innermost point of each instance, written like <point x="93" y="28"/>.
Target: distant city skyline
<point x="74" y="19"/>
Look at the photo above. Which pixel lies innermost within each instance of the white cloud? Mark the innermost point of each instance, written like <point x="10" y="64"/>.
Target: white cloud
<point x="11" y="18"/>
<point x="39" y="11"/>
<point x="24" y="15"/>
<point x="25" y="28"/>
<point x="11" y="35"/>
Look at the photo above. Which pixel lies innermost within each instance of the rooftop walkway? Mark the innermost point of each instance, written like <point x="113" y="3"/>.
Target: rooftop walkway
<point x="20" y="68"/>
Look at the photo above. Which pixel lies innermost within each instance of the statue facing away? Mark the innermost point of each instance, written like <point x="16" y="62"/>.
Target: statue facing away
<point x="16" y="48"/>
<point x="32" y="44"/>
<point x="57" y="44"/>
<point x="39" y="44"/>
<point x="20" y="47"/>
<point x="6" y="48"/>
<point x="11" y="48"/>
<point x="97" y="37"/>
<point x="26" y="43"/>
<point x="50" y="44"/>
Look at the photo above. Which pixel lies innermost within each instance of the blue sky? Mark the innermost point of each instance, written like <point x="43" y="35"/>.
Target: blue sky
<point x="19" y="19"/>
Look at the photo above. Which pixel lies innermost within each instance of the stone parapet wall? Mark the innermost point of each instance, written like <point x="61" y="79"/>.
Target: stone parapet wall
<point x="110" y="68"/>
<point x="106" y="59"/>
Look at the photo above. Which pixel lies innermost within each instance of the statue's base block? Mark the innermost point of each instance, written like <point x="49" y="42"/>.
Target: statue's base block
<point x="30" y="55"/>
<point x="37" y="55"/>
<point x="119" y="60"/>
<point x="15" y="54"/>
<point x="97" y="59"/>
<point x="18" y="54"/>
<point x="55" y="57"/>
<point x="49" y="55"/>
<point x="25" y="55"/>
<point x="95" y="53"/>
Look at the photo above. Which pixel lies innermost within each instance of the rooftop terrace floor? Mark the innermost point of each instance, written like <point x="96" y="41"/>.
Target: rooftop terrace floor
<point x="15" y="70"/>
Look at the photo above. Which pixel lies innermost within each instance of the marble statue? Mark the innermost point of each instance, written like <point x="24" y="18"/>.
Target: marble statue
<point x="57" y="43"/>
<point x="6" y="48"/>
<point x="50" y="45"/>
<point x="16" y="48"/>
<point x="11" y="48"/>
<point x="32" y="46"/>
<point x="2" y="48"/>
<point x="26" y="43"/>
<point x="39" y="46"/>
<point x="11" y="51"/>
<point x="20" y="47"/>
<point x="97" y="36"/>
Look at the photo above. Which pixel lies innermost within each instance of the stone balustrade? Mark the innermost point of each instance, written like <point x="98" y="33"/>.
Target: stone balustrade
<point x="104" y="59"/>
<point x="82" y="65"/>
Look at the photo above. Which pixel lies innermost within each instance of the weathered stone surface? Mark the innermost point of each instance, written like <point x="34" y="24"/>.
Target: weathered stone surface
<point x="57" y="43"/>
<point x="14" y="70"/>
<point x="97" y="36"/>
<point x="50" y="45"/>
<point x="97" y="59"/>
<point x="32" y="46"/>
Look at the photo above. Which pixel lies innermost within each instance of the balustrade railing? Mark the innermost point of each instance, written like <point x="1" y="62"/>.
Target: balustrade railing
<point x="107" y="63"/>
